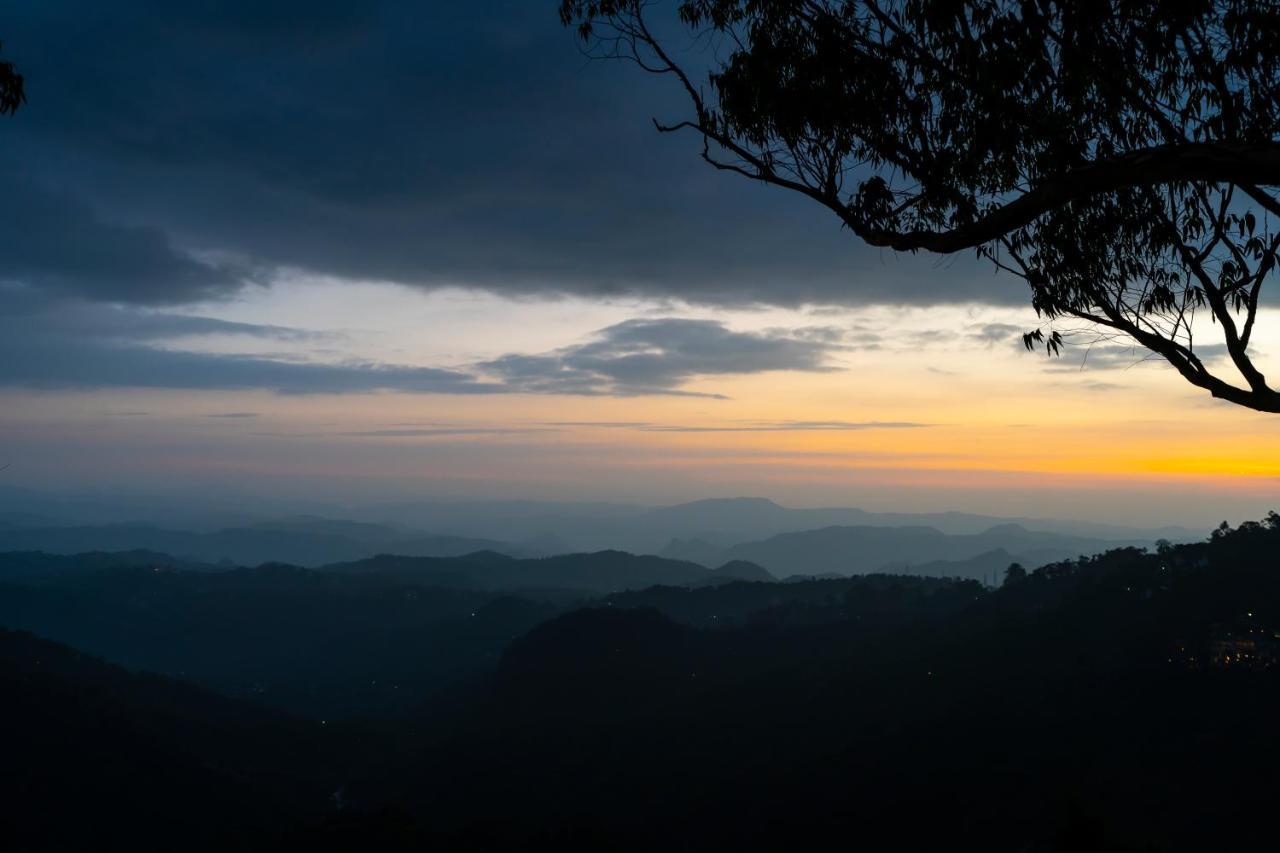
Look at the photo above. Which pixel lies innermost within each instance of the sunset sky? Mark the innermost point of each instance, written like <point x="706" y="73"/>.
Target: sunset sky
<point x="369" y="250"/>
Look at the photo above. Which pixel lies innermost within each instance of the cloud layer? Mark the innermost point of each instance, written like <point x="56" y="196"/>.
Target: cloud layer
<point x="658" y="356"/>
<point x="83" y="345"/>
<point x="425" y="144"/>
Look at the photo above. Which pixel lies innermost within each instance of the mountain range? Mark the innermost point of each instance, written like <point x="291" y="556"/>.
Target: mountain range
<point x="581" y="526"/>
<point x="299" y="541"/>
<point x="785" y="540"/>
<point x="904" y="550"/>
<point x="471" y="703"/>
<point x="719" y="521"/>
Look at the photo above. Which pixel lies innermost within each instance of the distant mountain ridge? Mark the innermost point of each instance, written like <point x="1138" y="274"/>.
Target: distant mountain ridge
<point x="707" y="533"/>
<point x="305" y="542"/>
<point x="851" y="550"/>
<point x="600" y="572"/>
<point x="763" y="513"/>
<point x="518" y="527"/>
<point x="720" y="522"/>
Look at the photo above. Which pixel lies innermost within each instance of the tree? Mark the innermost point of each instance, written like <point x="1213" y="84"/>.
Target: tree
<point x="1117" y="156"/>
<point x="12" y="94"/>
<point x="1014" y="574"/>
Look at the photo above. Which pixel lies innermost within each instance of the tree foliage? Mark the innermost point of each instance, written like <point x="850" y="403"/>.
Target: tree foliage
<point x="12" y="93"/>
<point x="1117" y="156"/>
<point x="1016" y="573"/>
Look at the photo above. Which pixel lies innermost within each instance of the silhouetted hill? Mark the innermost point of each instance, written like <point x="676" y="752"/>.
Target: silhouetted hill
<point x="744" y="571"/>
<point x="604" y="571"/>
<point x="98" y="758"/>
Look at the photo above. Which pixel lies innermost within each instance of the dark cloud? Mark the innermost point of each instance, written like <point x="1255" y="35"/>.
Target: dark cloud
<point x="34" y="314"/>
<point x="423" y="143"/>
<point x="995" y="333"/>
<point x="127" y="324"/>
<point x="658" y="356"/>
<point x="61" y="344"/>
<point x="73" y="344"/>
<point x="62" y="363"/>
<point x="54" y="242"/>
<point x="830" y="335"/>
<point x="930" y="337"/>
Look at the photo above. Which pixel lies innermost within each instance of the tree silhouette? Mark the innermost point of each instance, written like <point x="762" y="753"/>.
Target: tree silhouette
<point x="12" y="94"/>
<point x="1115" y="156"/>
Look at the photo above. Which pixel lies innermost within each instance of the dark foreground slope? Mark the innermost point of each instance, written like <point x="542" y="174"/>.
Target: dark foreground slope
<point x="1124" y="702"/>
<point x="98" y="758"/>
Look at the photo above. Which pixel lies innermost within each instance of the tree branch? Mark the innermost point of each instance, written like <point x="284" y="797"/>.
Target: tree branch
<point x="1243" y="163"/>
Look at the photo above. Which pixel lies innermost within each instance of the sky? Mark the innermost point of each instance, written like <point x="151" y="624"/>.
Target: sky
<point x="396" y="249"/>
